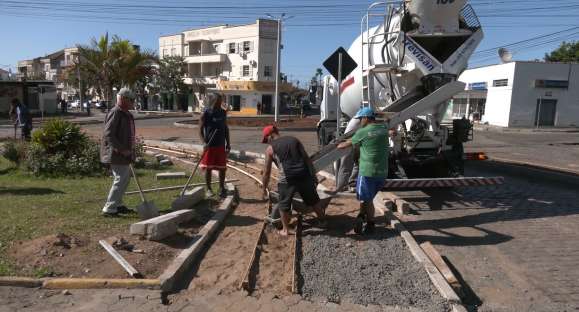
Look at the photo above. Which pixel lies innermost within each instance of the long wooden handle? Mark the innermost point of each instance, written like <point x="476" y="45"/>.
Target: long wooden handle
<point x="197" y="165"/>
<point x="138" y="184"/>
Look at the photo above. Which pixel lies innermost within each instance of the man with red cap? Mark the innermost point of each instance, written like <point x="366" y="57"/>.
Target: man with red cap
<point x="296" y="174"/>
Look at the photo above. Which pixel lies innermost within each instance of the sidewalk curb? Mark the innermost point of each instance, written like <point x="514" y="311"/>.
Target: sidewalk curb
<point x="21" y="281"/>
<point x="98" y="283"/>
<point x="181" y="124"/>
<point x="78" y="283"/>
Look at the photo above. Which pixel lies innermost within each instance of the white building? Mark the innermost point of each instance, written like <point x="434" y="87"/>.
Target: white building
<point x="51" y="68"/>
<point x="239" y="61"/>
<point x="5" y="75"/>
<point x="521" y="94"/>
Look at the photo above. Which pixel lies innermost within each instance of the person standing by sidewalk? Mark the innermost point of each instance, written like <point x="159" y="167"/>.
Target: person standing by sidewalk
<point x="118" y="150"/>
<point x="372" y="141"/>
<point x="296" y="174"/>
<point x="214" y="134"/>
<point x="22" y="119"/>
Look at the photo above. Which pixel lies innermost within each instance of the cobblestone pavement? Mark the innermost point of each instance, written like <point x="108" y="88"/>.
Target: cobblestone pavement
<point x="516" y="245"/>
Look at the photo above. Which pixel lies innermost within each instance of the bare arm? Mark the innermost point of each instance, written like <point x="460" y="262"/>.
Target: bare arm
<point x="267" y="170"/>
<point x="201" y="126"/>
<point x="345" y="144"/>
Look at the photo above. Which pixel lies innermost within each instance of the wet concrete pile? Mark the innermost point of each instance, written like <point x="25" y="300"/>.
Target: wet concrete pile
<point x="377" y="269"/>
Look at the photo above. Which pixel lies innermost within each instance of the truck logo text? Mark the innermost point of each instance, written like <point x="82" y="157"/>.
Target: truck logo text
<point x="419" y="55"/>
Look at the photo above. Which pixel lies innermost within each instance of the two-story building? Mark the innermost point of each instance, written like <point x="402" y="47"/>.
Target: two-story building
<point x="238" y="61"/>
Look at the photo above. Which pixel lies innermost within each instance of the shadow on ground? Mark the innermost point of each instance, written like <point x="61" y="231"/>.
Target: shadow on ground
<point x="23" y="191"/>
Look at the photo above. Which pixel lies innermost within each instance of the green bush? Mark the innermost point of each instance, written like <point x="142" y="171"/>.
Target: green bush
<point x="59" y="136"/>
<point x="60" y="148"/>
<point x="14" y="151"/>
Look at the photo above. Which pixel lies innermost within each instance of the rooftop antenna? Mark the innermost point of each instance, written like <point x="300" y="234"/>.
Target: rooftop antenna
<point x="505" y="55"/>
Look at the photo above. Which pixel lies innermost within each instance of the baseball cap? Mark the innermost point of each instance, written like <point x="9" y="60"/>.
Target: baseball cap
<point x="365" y="112"/>
<point x="267" y="131"/>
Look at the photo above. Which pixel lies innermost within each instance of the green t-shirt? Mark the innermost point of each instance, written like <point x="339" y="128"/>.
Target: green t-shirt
<point x="373" y="143"/>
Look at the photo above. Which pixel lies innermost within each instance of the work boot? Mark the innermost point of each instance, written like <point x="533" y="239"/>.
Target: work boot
<point x="223" y="193"/>
<point x="124" y="210"/>
<point x="359" y="224"/>
<point x="370" y="227"/>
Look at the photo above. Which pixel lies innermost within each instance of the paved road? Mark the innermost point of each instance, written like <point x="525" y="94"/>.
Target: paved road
<point x="515" y="244"/>
<point x="555" y="149"/>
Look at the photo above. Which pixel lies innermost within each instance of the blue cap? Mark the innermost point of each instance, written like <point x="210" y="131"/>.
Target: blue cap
<point x="365" y="112"/>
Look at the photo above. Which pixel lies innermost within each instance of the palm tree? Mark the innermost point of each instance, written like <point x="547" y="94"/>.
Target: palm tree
<point x="105" y="64"/>
<point x="319" y="74"/>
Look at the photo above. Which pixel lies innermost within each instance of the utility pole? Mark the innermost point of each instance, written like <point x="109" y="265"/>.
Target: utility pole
<point x="278" y="63"/>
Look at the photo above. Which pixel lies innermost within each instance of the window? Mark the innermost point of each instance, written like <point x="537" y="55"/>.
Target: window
<point x="267" y="71"/>
<point x="501" y="83"/>
<point x="164" y="52"/>
<point x="245" y="72"/>
<point x="232" y="47"/>
<point x="246" y="46"/>
<point x="173" y="51"/>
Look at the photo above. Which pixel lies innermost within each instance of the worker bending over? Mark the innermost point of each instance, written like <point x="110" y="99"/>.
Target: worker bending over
<point x="372" y="141"/>
<point x="296" y="174"/>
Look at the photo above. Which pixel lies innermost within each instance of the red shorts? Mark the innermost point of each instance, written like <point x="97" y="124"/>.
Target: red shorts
<point x="214" y="158"/>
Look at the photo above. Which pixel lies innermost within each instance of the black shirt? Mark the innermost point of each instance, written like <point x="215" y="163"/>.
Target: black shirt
<point x="214" y="120"/>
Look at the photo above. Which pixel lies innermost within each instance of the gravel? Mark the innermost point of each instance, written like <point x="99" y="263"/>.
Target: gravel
<point x="376" y="269"/>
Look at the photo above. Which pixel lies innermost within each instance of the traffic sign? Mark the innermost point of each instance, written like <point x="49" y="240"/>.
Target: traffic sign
<point x="348" y="63"/>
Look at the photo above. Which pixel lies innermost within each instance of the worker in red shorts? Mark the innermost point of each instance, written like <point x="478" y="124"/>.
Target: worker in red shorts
<point x="214" y="133"/>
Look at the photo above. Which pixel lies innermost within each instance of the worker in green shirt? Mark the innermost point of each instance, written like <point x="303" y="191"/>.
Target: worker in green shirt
<point x="372" y="141"/>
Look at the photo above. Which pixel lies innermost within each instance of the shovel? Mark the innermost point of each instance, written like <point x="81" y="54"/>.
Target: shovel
<point x="146" y="210"/>
<point x="187" y="201"/>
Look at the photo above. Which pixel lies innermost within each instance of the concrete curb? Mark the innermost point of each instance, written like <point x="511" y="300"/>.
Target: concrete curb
<point x="21" y="281"/>
<point x="98" y="283"/>
<point x="181" y="264"/>
<point x="79" y="283"/>
<point x="180" y="124"/>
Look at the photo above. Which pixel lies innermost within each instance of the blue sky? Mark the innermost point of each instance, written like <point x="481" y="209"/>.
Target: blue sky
<point x="31" y="28"/>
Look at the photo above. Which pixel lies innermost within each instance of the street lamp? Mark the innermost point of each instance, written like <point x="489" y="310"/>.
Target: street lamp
<point x="279" y="20"/>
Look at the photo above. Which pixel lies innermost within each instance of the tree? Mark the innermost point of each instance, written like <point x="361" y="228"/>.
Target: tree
<point x="566" y="52"/>
<point x="170" y="78"/>
<point x="319" y="74"/>
<point x="106" y="63"/>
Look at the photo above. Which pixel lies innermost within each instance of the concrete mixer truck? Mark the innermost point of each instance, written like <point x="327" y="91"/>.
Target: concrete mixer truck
<point x="409" y="55"/>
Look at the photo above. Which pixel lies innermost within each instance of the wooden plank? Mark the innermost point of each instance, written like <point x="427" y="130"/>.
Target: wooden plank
<point x="244" y="284"/>
<point x="437" y="260"/>
<point x="127" y="266"/>
<point x="295" y="249"/>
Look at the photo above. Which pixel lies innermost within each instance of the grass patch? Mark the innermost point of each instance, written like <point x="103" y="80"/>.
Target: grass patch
<point x="33" y="207"/>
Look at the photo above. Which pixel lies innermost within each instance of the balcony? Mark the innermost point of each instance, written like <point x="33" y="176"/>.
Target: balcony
<point x="211" y="58"/>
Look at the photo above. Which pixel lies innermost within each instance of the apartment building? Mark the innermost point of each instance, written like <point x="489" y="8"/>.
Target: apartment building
<point x="50" y="67"/>
<point x="238" y="61"/>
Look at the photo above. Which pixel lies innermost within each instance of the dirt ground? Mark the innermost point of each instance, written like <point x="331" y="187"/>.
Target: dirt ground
<point x="61" y="255"/>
